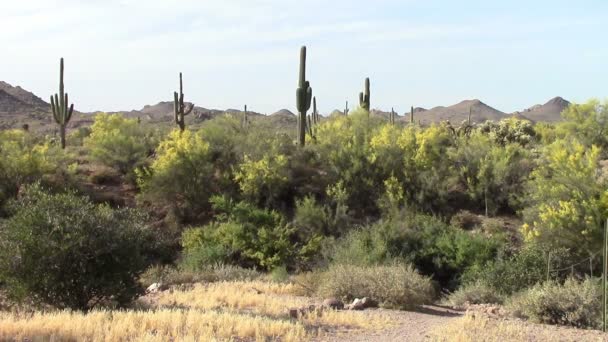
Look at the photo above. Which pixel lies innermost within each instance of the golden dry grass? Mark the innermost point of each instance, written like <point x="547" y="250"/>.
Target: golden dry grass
<point x="217" y="311"/>
<point x="477" y="327"/>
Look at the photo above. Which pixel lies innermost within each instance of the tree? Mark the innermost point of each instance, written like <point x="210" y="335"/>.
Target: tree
<point x="567" y="201"/>
<point x="63" y="250"/>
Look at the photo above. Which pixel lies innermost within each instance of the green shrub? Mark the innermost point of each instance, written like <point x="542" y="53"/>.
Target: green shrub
<point x="575" y="303"/>
<point x="279" y="274"/>
<point x="396" y="285"/>
<point x="510" y="274"/>
<point x="241" y="235"/>
<point x="118" y="142"/>
<point x="435" y="248"/>
<point x="474" y="293"/>
<point x="65" y="251"/>
<point x="24" y="160"/>
<point x="182" y="175"/>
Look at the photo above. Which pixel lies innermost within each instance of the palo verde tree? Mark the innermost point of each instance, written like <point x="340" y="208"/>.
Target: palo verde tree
<point x="303" y="98"/>
<point x="59" y="104"/>
<point x="180" y="109"/>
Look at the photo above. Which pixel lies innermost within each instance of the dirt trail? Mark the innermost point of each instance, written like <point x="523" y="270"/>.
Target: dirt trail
<point x="409" y="326"/>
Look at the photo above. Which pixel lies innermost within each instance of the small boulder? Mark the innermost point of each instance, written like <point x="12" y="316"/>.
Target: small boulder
<point x="333" y="303"/>
<point x="156" y="287"/>
<point x="362" y="304"/>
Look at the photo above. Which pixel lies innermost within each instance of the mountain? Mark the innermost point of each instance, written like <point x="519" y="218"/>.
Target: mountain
<point x="23" y="95"/>
<point x="459" y="112"/>
<point x="549" y="112"/>
<point x="19" y="106"/>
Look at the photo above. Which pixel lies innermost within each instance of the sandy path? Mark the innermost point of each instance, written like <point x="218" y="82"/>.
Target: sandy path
<point x="409" y="326"/>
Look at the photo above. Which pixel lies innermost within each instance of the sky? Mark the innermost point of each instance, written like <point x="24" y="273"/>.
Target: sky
<point x="124" y="54"/>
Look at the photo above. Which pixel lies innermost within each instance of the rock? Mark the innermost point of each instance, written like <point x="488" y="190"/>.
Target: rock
<point x="303" y="311"/>
<point x="362" y="304"/>
<point x="333" y="303"/>
<point x="156" y="287"/>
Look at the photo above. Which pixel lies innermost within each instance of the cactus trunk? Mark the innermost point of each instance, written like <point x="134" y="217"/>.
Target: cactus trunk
<point x="59" y="105"/>
<point x="303" y="98"/>
<point x="179" y="108"/>
<point x="412" y="115"/>
<point x="364" y="97"/>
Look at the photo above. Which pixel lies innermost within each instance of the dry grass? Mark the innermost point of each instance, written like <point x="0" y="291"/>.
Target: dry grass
<point x="477" y="327"/>
<point x="218" y="311"/>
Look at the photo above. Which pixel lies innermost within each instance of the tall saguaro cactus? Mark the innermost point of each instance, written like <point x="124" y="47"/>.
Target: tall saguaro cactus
<point x="245" y="121"/>
<point x="346" y="109"/>
<point x="364" y="96"/>
<point x="59" y="104"/>
<point x="412" y="115"/>
<point x="391" y="117"/>
<point x="179" y="108"/>
<point x="303" y="98"/>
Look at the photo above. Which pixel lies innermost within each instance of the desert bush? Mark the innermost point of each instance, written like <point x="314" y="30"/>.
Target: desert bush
<point x="63" y="250"/>
<point x="397" y="285"/>
<point x="242" y="234"/>
<point x="465" y="219"/>
<point x="171" y="275"/>
<point x="575" y="303"/>
<point x="474" y="293"/>
<point x="434" y="247"/>
<point x="511" y="273"/>
<point x="24" y="160"/>
<point x="182" y="175"/>
<point x="118" y="142"/>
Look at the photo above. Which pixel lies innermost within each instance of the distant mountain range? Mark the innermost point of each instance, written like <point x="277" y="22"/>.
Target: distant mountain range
<point x="19" y="106"/>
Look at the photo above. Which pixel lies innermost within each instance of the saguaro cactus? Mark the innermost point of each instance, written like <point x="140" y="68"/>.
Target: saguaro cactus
<point x="346" y="109"/>
<point x="391" y="117"/>
<point x="364" y="96"/>
<point x="303" y="98"/>
<point x="179" y="108"/>
<point x="245" y="121"/>
<point x="59" y="104"/>
<point x="412" y="115"/>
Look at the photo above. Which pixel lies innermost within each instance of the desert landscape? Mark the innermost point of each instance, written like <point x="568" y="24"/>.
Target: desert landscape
<point x="379" y="202"/>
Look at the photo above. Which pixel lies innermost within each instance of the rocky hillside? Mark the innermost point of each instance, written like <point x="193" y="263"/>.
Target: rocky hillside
<point x="548" y="112"/>
<point x="459" y="112"/>
<point x="19" y="106"/>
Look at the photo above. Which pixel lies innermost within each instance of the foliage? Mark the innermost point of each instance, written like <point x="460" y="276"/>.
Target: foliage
<point x="170" y="275"/>
<point x="509" y="131"/>
<point x="567" y="201"/>
<point x="23" y="160"/>
<point x="587" y="122"/>
<point x="65" y="251"/>
<point x="242" y="234"/>
<point x="436" y="248"/>
<point x="396" y="285"/>
<point x="512" y="273"/>
<point x="574" y="303"/>
<point x="118" y="142"/>
<point x="474" y="293"/>
<point x="181" y="176"/>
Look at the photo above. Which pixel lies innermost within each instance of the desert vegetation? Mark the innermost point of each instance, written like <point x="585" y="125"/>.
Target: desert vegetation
<point x="243" y="221"/>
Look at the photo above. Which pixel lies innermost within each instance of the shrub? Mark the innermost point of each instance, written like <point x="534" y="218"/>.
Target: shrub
<point x="575" y="303"/>
<point x="435" y="248"/>
<point x="171" y="275"/>
<point x="474" y="293"/>
<point x="65" y="251"/>
<point x="181" y="176"/>
<point x="117" y="142"/>
<point x="394" y="286"/>
<point x="241" y="235"/>
<point x="510" y="274"/>
<point x="465" y="219"/>
<point x="22" y="161"/>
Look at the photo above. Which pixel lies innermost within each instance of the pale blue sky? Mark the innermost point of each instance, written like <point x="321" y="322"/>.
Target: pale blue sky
<point x="123" y="54"/>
